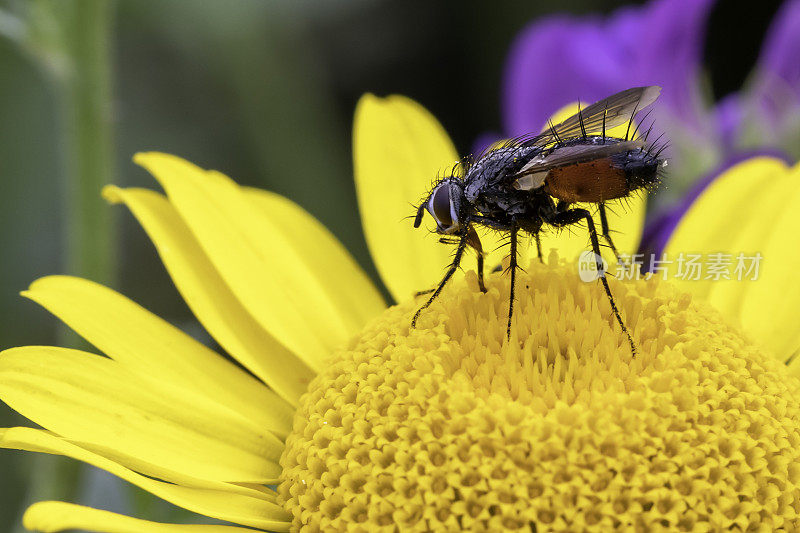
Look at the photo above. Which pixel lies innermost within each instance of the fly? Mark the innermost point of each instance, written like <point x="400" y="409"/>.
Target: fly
<point x="533" y="181"/>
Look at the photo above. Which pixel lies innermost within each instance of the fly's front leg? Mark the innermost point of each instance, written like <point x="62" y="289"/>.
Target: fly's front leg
<point x="443" y="240"/>
<point x="462" y="245"/>
<point x="474" y="241"/>
<point x="572" y="216"/>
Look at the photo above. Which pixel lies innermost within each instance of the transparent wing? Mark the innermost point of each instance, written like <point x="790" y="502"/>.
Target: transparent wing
<point x="614" y="111"/>
<point x="569" y="155"/>
<point x="579" y="153"/>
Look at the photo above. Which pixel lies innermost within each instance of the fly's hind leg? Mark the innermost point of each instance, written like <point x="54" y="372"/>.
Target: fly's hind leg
<point x="571" y="216"/>
<point x="462" y="244"/>
<point x="512" y="266"/>
<point x="607" y="232"/>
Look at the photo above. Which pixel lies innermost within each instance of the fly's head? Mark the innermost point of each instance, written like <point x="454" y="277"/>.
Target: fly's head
<point x="446" y="204"/>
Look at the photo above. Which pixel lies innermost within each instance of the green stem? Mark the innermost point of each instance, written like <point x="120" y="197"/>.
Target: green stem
<point x="86" y="102"/>
<point x="81" y="53"/>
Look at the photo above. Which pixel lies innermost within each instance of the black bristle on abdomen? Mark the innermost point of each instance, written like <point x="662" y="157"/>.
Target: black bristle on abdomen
<point x="642" y="169"/>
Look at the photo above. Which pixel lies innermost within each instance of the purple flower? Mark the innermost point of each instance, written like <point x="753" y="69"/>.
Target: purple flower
<point x="779" y="63"/>
<point x="562" y="59"/>
<point x="729" y="117"/>
<point x="770" y="107"/>
<point x="759" y="120"/>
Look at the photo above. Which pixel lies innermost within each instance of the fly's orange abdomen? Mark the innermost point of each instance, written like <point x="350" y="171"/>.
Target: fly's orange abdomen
<point x="592" y="181"/>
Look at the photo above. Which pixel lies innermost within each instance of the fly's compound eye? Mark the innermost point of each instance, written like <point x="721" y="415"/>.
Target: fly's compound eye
<point x="442" y="209"/>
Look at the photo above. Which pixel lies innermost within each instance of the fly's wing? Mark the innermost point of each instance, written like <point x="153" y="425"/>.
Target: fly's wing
<point x="568" y="155"/>
<point x="613" y="111"/>
<point x="579" y="153"/>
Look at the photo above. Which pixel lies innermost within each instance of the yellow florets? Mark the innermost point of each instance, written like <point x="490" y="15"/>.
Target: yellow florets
<point x="449" y="426"/>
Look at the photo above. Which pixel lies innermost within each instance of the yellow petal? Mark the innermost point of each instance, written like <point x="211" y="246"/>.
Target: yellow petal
<point x="185" y="479"/>
<point x="49" y="517"/>
<point x="754" y="231"/>
<point x="347" y="285"/>
<point x="398" y="150"/>
<point x="228" y="505"/>
<point x="770" y="304"/>
<point x="210" y="299"/>
<point x="726" y="212"/>
<point x="88" y="398"/>
<point x="256" y="260"/>
<point x="143" y="342"/>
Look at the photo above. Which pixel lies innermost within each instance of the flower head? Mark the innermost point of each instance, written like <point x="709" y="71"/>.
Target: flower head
<point x="449" y="426"/>
<point x="363" y="421"/>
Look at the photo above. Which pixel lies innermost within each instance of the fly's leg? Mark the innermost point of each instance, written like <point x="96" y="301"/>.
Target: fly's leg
<point x="489" y="223"/>
<point x="538" y="246"/>
<point x="462" y="245"/>
<point x="481" y="284"/>
<point x="607" y="232"/>
<point x="572" y="216"/>
<point x="443" y="240"/>
<point x="512" y="266"/>
<point x="474" y="242"/>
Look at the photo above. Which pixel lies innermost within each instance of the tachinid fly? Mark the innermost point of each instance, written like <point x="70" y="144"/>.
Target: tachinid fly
<point x="533" y="181"/>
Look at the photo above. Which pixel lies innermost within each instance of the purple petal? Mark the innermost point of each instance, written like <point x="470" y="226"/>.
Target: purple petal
<point x="729" y="116"/>
<point x="562" y="59"/>
<point x="776" y="91"/>
<point x="781" y="49"/>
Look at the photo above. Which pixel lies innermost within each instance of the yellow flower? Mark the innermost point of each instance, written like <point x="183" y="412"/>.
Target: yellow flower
<point x="363" y="422"/>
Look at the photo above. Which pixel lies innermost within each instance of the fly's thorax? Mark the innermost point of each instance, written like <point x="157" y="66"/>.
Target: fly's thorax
<point x="489" y="170"/>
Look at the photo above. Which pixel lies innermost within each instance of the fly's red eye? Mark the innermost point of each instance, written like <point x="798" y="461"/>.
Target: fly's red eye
<point x="439" y="205"/>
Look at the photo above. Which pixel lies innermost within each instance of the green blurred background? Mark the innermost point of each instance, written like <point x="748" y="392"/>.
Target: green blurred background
<point x="263" y="91"/>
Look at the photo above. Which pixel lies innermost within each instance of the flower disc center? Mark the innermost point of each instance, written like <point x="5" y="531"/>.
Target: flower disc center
<point x="450" y="426"/>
